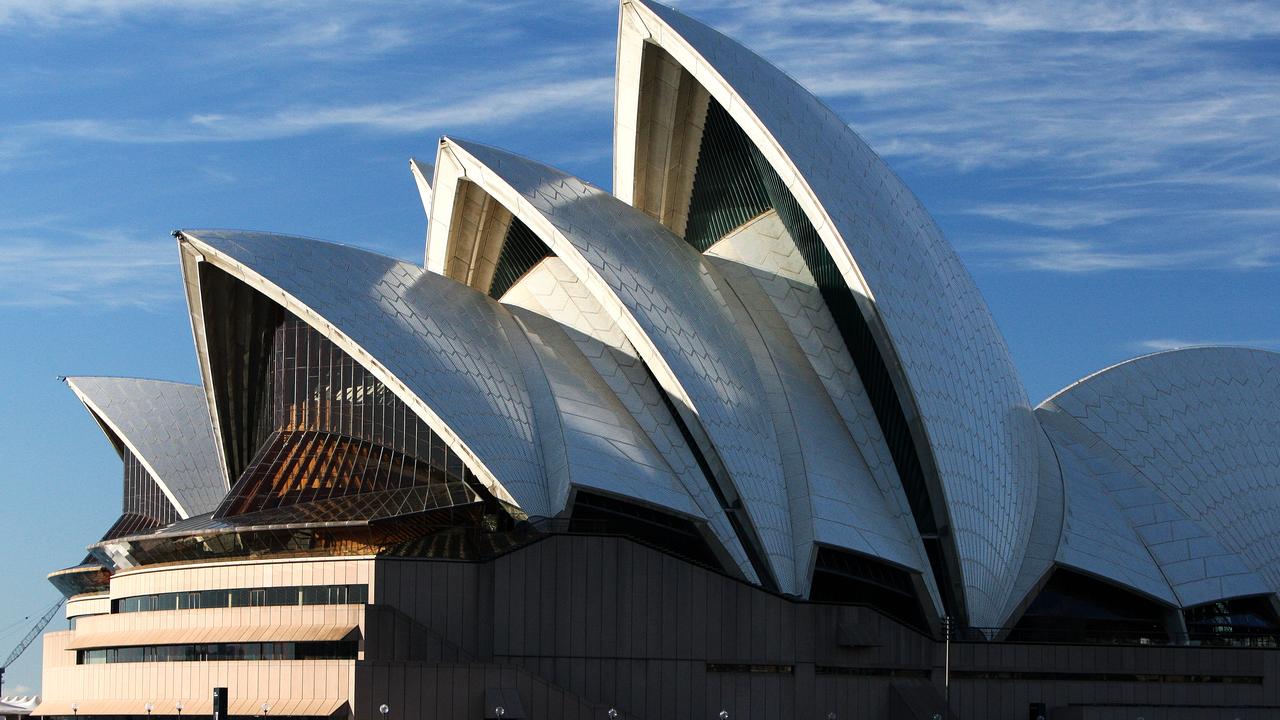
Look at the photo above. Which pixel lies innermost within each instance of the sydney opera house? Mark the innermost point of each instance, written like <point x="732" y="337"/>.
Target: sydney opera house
<point x="740" y="436"/>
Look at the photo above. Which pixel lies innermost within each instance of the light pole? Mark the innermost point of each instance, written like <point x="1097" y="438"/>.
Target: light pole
<point x="613" y="714"/>
<point x="75" y="709"/>
<point x="384" y="709"/>
<point x="946" y="672"/>
<point x="499" y="711"/>
<point x="178" y="707"/>
<point x="265" y="708"/>
<point x="724" y="715"/>
<point x="149" y="708"/>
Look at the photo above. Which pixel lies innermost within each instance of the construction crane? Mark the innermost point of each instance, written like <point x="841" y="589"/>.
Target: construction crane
<point x="30" y="638"/>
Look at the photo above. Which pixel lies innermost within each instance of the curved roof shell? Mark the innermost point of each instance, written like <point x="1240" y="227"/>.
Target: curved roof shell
<point x="1186" y="444"/>
<point x="933" y="327"/>
<point x="550" y="290"/>
<point x="717" y="346"/>
<point x="661" y="294"/>
<point x="836" y="498"/>
<point x="439" y="346"/>
<point x="509" y="393"/>
<point x="166" y="427"/>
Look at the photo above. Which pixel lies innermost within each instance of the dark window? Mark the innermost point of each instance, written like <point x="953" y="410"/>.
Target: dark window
<point x="521" y="250"/>
<point x="246" y="597"/>
<point x="335" y="443"/>
<point x="675" y="535"/>
<point x="1239" y="622"/>
<point x="840" y="576"/>
<point x="321" y="650"/>
<point x="283" y="596"/>
<point x="1077" y="608"/>
<point x="145" y="505"/>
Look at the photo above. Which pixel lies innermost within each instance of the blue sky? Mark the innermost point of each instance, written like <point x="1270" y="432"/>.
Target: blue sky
<point x="1109" y="172"/>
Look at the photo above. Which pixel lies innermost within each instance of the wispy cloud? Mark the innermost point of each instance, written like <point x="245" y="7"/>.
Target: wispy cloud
<point x="102" y="269"/>
<point x="1058" y="255"/>
<point x="1057" y="216"/>
<point x="1155" y="119"/>
<point x="1161" y="344"/>
<point x="495" y="106"/>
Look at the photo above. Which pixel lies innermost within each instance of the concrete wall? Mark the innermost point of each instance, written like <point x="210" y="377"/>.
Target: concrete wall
<point x="571" y="626"/>
<point x="620" y="625"/>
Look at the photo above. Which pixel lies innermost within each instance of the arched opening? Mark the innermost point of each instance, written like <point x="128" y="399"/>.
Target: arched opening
<point x="1073" y="607"/>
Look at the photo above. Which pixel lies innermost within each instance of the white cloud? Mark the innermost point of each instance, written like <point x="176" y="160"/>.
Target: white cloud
<point x="495" y="106"/>
<point x="1161" y="344"/>
<point x="106" y="269"/>
<point x="1057" y="216"/>
<point x="1049" y="254"/>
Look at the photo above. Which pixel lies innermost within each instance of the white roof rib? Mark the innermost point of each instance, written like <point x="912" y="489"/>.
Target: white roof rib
<point x="423" y="173"/>
<point x="166" y="426"/>
<point x="933" y="322"/>
<point x="440" y="346"/>
<point x="663" y="296"/>
<point x="605" y="448"/>
<point x="550" y="289"/>
<point x="1195" y="433"/>
<point x="843" y="504"/>
<point x="1097" y="537"/>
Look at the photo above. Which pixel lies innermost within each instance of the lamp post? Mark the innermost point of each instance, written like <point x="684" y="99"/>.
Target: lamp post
<point x="75" y="709"/>
<point x="384" y="709"/>
<point x="178" y="707"/>
<point x="265" y="708"/>
<point x="613" y="714"/>
<point x="150" y="707"/>
<point x="724" y="715"/>
<point x="946" y="673"/>
<point x="499" y="711"/>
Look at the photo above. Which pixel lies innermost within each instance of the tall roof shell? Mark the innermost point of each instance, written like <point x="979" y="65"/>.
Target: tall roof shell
<point x="512" y="394"/>
<point x="1198" y="432"/>
<point x="166" y="426"/>
<point x="602" y="446"/>
<point x="835" y="497"/>
<point x="440" y="346"/>
<point x="661" y="293"/>
<point x="551" y="290"/>
<point x="933" y="325"/>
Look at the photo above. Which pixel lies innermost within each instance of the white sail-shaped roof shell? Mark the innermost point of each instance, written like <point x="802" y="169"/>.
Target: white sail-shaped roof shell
<point x="658" y="291"/>
<point x="439" y="346"/>
<point x="510" y="394"/>
<point x="934" y="327"/>
<point x="718" y="348"/>
<point x="165" y="425"/>
<point x="1186" y="444"/>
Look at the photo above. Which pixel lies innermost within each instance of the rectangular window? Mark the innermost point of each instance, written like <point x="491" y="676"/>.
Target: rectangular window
<point x="355" y="594"/>
<point x="344" y="650"/>
<point x="278" y="596"/>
